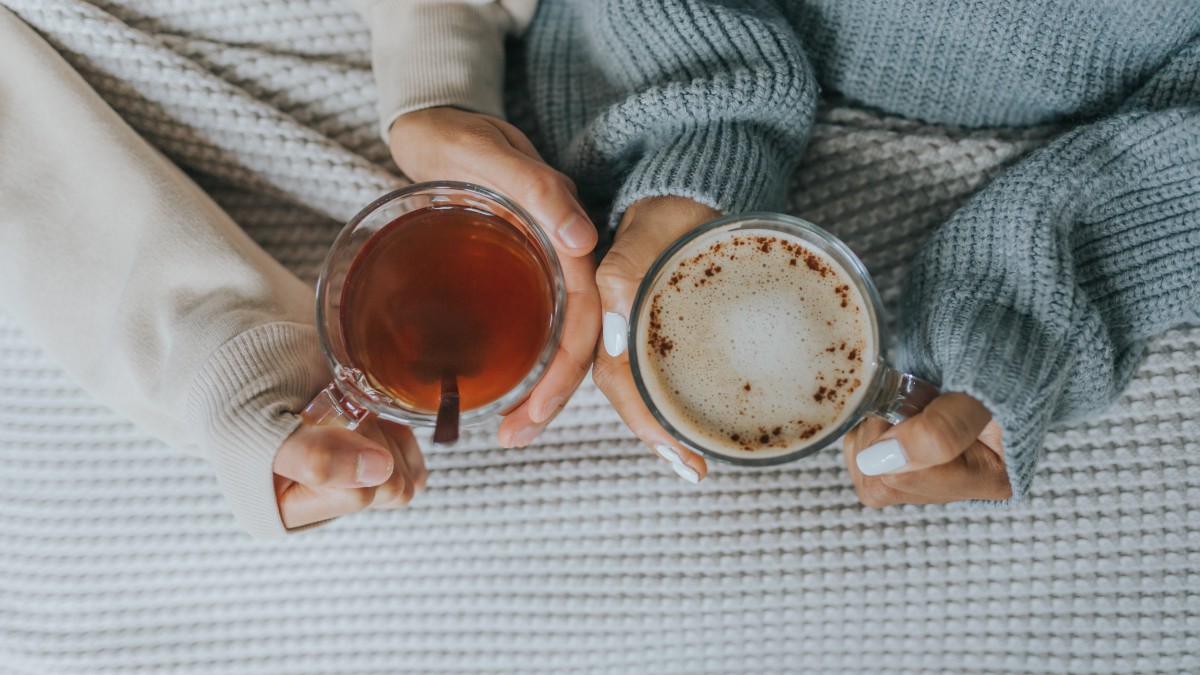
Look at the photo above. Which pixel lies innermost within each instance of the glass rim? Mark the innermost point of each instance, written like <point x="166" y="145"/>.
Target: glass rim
<point x="344" y="373"/>
<point x="787" y="224"/>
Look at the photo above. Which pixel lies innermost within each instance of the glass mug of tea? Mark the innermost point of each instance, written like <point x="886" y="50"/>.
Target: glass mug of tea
<point x="758" y="339"/>
<point x="436" y="291"/>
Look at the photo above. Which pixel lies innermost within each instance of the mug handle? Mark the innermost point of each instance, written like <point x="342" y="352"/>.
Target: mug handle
<point x="332" y="408"/>
<point x="902" y="396"/>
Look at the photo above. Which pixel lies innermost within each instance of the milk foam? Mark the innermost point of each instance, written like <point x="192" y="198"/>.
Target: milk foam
<point x="755" y="344"/>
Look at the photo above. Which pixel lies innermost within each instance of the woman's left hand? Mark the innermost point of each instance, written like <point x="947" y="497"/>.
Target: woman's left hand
<point x="951" y="451"/>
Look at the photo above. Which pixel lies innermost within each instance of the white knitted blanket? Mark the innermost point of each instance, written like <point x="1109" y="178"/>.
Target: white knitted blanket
<point x="581" y="553"/>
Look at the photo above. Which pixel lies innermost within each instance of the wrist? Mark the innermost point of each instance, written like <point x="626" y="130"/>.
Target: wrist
<point x="437" y="54"/>
<point x="753" y="176"/>
<point x="676" y="212"/>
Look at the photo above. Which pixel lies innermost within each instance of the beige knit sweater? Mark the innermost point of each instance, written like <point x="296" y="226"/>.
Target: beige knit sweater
<point x="428" y="53"/>
<point x="140" y="286"/>
<point x="145" y="291"/>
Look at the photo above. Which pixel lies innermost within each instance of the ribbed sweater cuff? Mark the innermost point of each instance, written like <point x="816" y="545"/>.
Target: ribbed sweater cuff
<point x="243" y="403"/>
<point x="729" y="167"/>
<point x="1004" y="359"/>
<point x="426" y="55"/>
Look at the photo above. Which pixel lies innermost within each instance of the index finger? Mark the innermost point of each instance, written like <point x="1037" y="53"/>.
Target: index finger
<point x="942" y="432"/>
<point x="571" y="362"/>
<point x="647" y="228"/>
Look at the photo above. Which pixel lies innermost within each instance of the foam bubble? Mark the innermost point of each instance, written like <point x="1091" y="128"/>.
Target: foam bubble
<point x="755" y="344"/>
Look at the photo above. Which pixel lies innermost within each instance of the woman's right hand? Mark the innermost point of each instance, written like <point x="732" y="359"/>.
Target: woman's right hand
<point x="322" y="472"/>
<point x="446" y="143"/>
<point x="647" y="229"/>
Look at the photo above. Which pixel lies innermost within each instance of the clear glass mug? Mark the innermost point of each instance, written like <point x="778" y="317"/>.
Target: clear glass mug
<point x="353" y="396"/>
<point x="890" y="394"/>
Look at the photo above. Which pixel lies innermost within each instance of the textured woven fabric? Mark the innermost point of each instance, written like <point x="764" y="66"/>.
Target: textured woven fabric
<point x="1037" y="296"/>
<point x="581" y="553"/>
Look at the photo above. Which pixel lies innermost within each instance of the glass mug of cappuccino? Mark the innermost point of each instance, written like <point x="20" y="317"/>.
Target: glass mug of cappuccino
<point x="758" y="339"/>
<point x="431" y="283"/>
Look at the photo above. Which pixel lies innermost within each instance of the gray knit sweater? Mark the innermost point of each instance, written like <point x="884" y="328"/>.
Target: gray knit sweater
<point x="1038" y="295"/>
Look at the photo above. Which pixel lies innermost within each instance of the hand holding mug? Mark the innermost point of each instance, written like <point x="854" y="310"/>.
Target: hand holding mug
<point x="950" y="451"/>
<point x="322" y="472"/>
<point x="758" y="339"/>
<point x="646" y="230"/>
<point x="451" y="144"/>
<point x="434" y="293"/>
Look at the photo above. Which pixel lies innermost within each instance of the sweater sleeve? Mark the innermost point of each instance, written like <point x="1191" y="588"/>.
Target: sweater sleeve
<point x="428" y="53"/>
<point x="1038" y="296"/>
<point x="637" y="98"/>
<point x="132" y="279"/>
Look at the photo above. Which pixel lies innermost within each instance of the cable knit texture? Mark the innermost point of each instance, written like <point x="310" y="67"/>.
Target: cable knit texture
<point x="1037" y="296"/>
<point x="581" y="553"/>
<point x="714" y="102"/>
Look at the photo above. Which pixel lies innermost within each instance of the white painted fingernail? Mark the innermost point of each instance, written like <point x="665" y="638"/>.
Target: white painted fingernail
<point x="671" y="455"/>
<point x="687" y="473"/>
<point x="668" y="453"/>
<point x="615" y="330"/>
<point x="882" y="457"/>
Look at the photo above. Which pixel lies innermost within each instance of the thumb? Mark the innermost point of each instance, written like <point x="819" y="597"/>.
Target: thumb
<point x="939" y="434"/>
<point x="333" y="457"/>
<point x="647" y="229"/>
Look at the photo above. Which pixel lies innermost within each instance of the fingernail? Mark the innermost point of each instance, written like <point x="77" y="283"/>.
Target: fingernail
<point x="687" y="473"/>
<point x="683" y="470"/>
<point x="577" y="232"/>
<point x="882" y="457"/>
<point x="524" y="437"/>
<point x="615" y="330"/>
<point x="374" y="467"/>
<point x="548" y="409"/>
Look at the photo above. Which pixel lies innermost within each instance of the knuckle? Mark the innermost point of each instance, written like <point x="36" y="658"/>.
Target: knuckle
<point x="569" y="184"/>
<point x="1001" y="487"/>
<point x="1005" y="490"/>
<point x="875" y="495"/>
<point x="991" y="476"/>
<point x="545" y="184"/>
<point x="617" y="272"/>
<point x="607" y="273"/>
<point x="475" y="135"/>
<point x="318" y="467"/>
<point x="604" y="374"/>
<point x="903" y="482"/>
<point x="389" y="491"/>
<point x="941" y="434"/>
<point x="358" y="498"/>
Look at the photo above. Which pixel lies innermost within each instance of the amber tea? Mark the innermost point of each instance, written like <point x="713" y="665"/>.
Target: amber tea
<point x="447" y="290"/>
